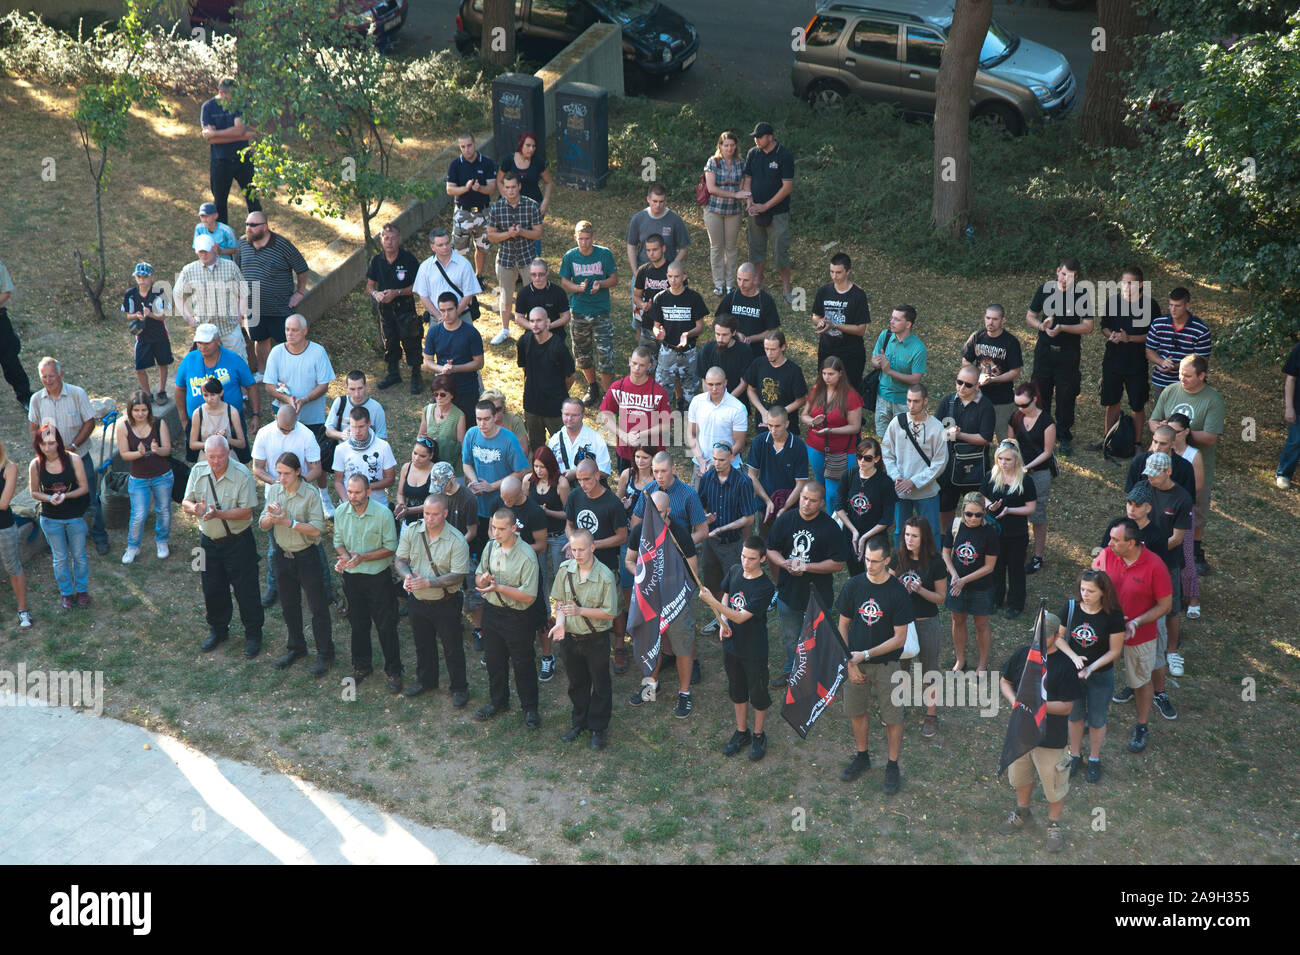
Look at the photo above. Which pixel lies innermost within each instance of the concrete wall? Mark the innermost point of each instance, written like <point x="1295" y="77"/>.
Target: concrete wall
<point x="596" y="57"/>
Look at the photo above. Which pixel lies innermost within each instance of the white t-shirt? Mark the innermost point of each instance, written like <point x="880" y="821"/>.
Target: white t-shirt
<point x="372" y="463"/>
<point x="566" y="451"/>
<point x="270" y="443"/>
<point x="430" y="283"/>
<point x="717" y="422"/>
<point x="378" y="420"/>
<point x="301" y="373"/>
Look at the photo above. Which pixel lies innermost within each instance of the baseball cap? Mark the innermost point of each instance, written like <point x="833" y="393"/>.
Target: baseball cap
<point x="207" y="332"/>
<point x="1140" y="493"/>
<point x="1053" y="622"/>
<point x="1157" y="462"/>
<point x="441" y="474"/>
<point x="143" y="268"/>
<point x="208" y="209"/>
<point x="762" y="129"/>
<point x="204" y="243"/>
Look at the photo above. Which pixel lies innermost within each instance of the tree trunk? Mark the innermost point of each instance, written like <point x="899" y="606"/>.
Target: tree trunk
<point x="1102" y="122"/>
<point x="951" y="206"/>
<point x="498" y="42"/>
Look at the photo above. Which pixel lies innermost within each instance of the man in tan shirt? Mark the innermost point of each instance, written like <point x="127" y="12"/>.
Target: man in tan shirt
<point x="507" y="579"/>
<point x="585" y="595"/>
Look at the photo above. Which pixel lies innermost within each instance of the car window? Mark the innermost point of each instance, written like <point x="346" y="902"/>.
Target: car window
<point x="557" y="15"/>
<point x="824" y="31"/>
<point x="875" y="39"/>
<point x="923" y="47"/>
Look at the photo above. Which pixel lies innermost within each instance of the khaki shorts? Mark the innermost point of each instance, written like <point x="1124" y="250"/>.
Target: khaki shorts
<point x="879" y="687"/>
<point x="681" y="635"/>
<point x="1139" y="661"/>
<point x="779" y="234"/>
<point x="1056" y="782"/>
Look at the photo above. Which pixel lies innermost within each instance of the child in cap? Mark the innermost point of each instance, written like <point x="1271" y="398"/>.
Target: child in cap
<point x="146" y="307"/>
<point x="220" y="233"/>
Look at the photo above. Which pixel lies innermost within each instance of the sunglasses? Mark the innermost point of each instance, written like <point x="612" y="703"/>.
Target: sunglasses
<point x="965" y="384"/>
<point x="442" y="394"/>
<point x="1025" y="405"/>
<point x="972" y="513"/>
<point x="722" y="446"/>
<point x="425" y="442"/>
<point x="866" y="457"/>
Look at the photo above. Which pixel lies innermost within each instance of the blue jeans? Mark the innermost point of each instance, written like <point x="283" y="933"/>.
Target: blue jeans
<point x="791" y="625"/>
<point x="142" y="490"/>
<point x="817" y="468"/>
<point x="67" y="540"/>
<point x="927" y="507"/>
<point x="1286" y="464"/>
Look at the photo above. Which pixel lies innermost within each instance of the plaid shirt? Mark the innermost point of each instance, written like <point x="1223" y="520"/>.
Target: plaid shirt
<point x="518" y="252"/>
<point x="214" y="293"/>
<point x="728" y="501"/>
<point x="727" y="174"/>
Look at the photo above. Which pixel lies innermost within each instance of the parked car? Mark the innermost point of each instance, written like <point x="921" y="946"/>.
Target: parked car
<point x="888" y="51"/>
<point x="388" y="15"/>
<point x="658" y="42"/>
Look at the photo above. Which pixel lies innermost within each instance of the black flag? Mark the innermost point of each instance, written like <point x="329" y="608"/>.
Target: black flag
<point x="1025" y="727"/>
<point x="661" y="592"/>
<point x="820" y="669"/>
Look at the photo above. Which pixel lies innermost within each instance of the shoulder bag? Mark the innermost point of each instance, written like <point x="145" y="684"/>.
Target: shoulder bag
<point x="967" y="464"/>
<point x="473" y="309"/>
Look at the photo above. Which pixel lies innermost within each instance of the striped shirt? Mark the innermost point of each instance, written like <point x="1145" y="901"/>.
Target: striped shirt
<point x="215" y="291"/>
<point x="729" y="500"/>
<point x="69" y="411"/>
<point x="274" y="268"/>
<point x="1170" y="342"/>
<point x="683" y="503"/>
<point x="518" y="252"/>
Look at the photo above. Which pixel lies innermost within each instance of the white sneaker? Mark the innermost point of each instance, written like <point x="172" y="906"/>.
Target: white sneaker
<point x="1175" y="661"/>
<point x="129" y="556"/>
<point x="24" y="619"/>
<point x="164" y="551"/>
<point x="1284" y="483"/>
<point x="1194" y="612"/>
<point x="326" y="504"/>
<point x="501" y="337"/>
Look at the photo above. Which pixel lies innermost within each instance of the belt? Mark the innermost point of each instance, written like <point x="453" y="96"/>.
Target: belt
<point x="584" y="637"/>
<point x="228" y="537"/>
<point x="292" y="554"/>
<point x="446" y="595"/>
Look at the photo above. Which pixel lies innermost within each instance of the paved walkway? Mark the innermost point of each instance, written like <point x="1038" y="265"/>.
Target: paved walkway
<point x="84" y="790"/>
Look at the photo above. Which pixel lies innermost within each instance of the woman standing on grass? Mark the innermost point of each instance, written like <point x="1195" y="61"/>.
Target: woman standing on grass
<point x="1094" y="630"/>
<point x="534" y="180"/>
<point x="413" y="483"/>
<point x="1035" y="431"/>
<point x="58" y="482"/>
<point x="833" y="417"/>
<point x="865" y="505"/>
<point x="548" y="488"/>
<point x="445" y="423"/>
<point x="921" y="570"/>
<point x="215" y="416"/>
<point x="970" y="552"/>
<point x="722" y="176"/>
<point x="1010" y="496"/>
<point x="9" y="553"/>
<point x="144" y="441"/>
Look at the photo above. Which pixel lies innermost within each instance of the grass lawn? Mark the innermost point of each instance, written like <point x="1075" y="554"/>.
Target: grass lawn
<point x="1216" y="785"/>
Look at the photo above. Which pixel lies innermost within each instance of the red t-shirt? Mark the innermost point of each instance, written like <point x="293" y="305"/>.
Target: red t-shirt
<point x="635" y="406"/>
<point x="835" y="443"/>
<point x="1140" y="586"/>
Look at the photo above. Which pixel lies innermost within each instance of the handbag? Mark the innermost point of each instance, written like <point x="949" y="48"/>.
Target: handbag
<point x="473" y="309"/>
<point x="702" y="191"/>
<point x="966" y="464"/>
<point x="837" y="465"/>
<point x="912" y="645"/>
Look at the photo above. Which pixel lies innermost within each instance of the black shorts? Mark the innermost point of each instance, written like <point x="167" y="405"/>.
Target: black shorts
<point x="271" y="326"/>
<point x="1115" y="383"/>
<point x="150" y="353"/>
<point x="747" y="681"/>
<point x="325" y="445"/>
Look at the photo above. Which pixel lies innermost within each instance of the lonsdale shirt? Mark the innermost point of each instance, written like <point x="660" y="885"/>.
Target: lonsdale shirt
<point x="577" y="268"/>
<point x="874" y="610"/>
<point x="637" y="408"/>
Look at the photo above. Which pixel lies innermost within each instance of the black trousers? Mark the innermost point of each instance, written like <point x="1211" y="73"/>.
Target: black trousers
<point x="431" y="621"/>
<point x="401" y="333"/>
<point x="587" y="664"/>
<point x="230" y="564"/>
<point x="508" y="641"/>
<point x="1057" y="371"/>
<point x="372" y="597"/>
<point x="1009" y="572"/>
<point x="223" y="172"/>
<point x="13" y="368"/>
<point x="298" y="574"/>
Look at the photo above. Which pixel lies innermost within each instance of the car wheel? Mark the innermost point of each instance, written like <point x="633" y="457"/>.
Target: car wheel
<point x="1001" y="117"/>
<point x="826" y="95"/>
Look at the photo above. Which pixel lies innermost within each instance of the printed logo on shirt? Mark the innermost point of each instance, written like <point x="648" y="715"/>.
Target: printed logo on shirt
<point x="1084" y="635"/>
<point x="401" y="275"/>
<point x="802" y="546"/>
<point x="909" y="578"/>
<point x="587" y="520"/>
<point x="966" y="553"/>
<point x="676" y="313"/>
<point x="588" y="269"/>
<point x="870" y="612"/>
<point x="860" y="504"/>
<point x="1183" y="408"/>
<point x="486" y="455"/>
<point x="771" y="391"/>
<point x="738" y="601"/>
<point x="196" y="381"/>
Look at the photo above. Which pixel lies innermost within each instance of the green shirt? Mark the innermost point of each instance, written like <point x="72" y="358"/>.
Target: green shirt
<point x="235" y="489"/>
<point x="450" y="556"/>
<point x="516" y="567"/>
<point x="907" y="357"/>
<point x="577" y="268"/>
<point x="372" y="529"/>
<point x="304" y="507"/>
<point x="598" y="592"/>
<point x="1205" y="410"/>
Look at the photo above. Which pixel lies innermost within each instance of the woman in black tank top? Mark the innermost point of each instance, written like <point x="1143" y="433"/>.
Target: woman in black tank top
<point x="413" y="484"/>
<point x="58" y="481"/>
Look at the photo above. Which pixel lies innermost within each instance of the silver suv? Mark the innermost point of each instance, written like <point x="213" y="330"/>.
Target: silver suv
<point x="888" y="52"/>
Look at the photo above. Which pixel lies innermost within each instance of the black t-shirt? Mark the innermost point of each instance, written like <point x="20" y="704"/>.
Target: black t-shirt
<point x="994" y="356"/>
<point x="1068" y="307"/>
<point x="552" y="298"/>
<point x="748" y="639"/>
<point x="153" y="306"/>
<point x="931" y="578"/>
<point x="680" y="532"/>
<point x="1031" y="441"/>
<point x="848" y="308"/>
<point x="874" y="610"/>
<point x="529" y="518"/>
<point x="868" y="502"/>
<point x="1013" y="525"/>
<point x="1132" y="318"/>
<point x="969" y="550"/>
<point x="733" y="361"/>
<point x="601" y="515"/>
<point x="1180" y="469"/>
<point x="677" y="314"/>
<point x="810" y="541"/>
<point x="777" y="386"/>
<point x="400" y="273"/>
<point x="1061" y="683"/>
<point x="1171" y="510"/>
<point x="1089" y="633"/>
<point x="973" y="417"/>
<point x="651" y="280"/>
<point x="754" y="314"/>
<point x="1154" y="539"/>
<point x="546" y="368"/>
<point x="767" y="171"/>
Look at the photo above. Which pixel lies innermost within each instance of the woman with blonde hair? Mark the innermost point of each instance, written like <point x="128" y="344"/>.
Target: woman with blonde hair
<point x="722" y="175"/>
<point x="1011" y="496"/>
<point x="970" y="552"/>
<point x="9" y="554"/>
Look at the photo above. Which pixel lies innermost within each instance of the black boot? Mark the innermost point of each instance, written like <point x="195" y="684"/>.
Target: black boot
<point x="417" y="385"/>
<point x="394" y="377"/>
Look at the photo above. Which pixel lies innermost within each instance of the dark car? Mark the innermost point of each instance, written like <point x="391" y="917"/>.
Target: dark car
<point x="389" y="16"/>
<point x="658" y="42"/>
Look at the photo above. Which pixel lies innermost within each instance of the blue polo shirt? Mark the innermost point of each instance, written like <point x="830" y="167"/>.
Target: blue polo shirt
<point x="683" y="503"/>
<point x="460" y="173"/>
<point x="231" y="370"/>
<point x="218" y="117"/>
<point x="776" y="471"/>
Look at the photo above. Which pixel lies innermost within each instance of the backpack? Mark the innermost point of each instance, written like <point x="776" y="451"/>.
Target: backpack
<point x="1120" y="440"/>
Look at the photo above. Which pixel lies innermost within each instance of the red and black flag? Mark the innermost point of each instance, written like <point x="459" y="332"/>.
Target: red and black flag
<point x="661" y="591"/>
<point x="1025" y="728"/>
<point x="820" y="669"/>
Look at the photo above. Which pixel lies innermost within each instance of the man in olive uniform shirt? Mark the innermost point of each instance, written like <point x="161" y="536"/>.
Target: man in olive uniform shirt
<point x="585" y="595"/>
<point x="365" y="539"/>
<point x="221" y="493"/>
<point x="433" y="559"/>
<point x="507" y="579"/>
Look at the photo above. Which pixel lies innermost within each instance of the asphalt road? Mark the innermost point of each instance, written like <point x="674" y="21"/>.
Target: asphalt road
<point x="748" y="41"/>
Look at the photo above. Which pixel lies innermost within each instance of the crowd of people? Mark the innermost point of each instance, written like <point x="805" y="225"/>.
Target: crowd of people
<point x="527" y="522"/>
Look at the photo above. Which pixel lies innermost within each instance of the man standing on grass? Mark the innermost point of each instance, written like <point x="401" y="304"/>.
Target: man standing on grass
<point x="472" y="180"/>
<point x="778" y="468"/>
<point x="900" y="356"/>
<point x="514" y="223"/>
<point x="675" y="319"/>
<point x="840" y="316"/>
<point x="1125" y="322"/>
<point x="769" y="176"/>
<point x="585" y="597"/>
<point x="995" y="353"/>
<point x="227" y="137"/>
<point x="548" y="374"/>
<point x="1061" y="313"/>
<point x="390" y="281"/>
<point x="454" y="347"/>
<point x="273" y="266"/>
<point x="299" y="373"/>
<point x="635" y="409"/>
<point x="365" y="539"/>
<point x="507" y="579"/>
<point x="658" y="220"/>
<point x="587" y="273"/>
<point x="576" y="442"/>
<point x="211" y="290"/>
<point x="10" y="345"/>
<point x="751" y="306"/>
